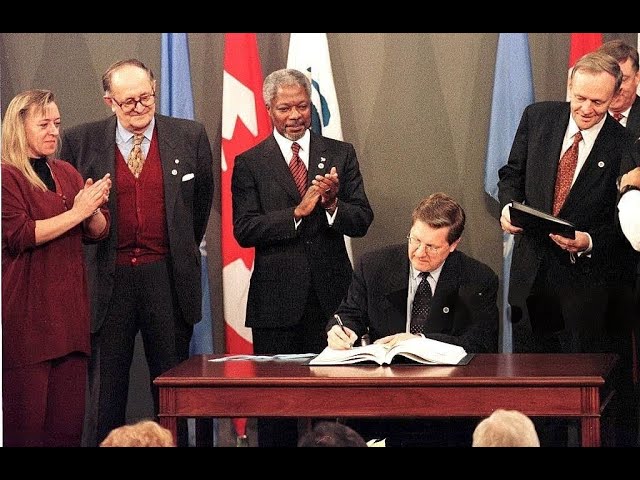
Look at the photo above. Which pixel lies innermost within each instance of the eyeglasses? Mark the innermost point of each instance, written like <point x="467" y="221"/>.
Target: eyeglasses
<point x="129" y="104"/>
<point x="415" y="243"/>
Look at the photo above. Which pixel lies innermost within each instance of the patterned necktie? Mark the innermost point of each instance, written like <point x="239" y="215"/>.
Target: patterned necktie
<point x="136" y="160"/>
<point x="618" y="116"/>
<point x="298" y="170"/>
<point x="421" y="305"/>
<point x="564" y="177"/>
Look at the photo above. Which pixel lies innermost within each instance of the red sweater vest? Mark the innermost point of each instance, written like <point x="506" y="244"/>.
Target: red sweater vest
<point x="142" y="231"/>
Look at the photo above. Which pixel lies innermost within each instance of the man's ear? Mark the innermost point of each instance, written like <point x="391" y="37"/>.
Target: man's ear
<point x="108" y="102"/>
<point x="454" y="245"/>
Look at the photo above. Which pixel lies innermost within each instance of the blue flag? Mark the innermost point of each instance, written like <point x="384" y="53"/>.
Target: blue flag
<point x="176" y="100"/>
<point x="512" y="92"/>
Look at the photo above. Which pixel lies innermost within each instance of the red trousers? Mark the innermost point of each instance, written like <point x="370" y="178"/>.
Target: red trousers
<point x="43" y="404"/>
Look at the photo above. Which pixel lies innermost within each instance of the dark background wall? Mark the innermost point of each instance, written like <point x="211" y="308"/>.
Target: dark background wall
<point x="415" y="105"/>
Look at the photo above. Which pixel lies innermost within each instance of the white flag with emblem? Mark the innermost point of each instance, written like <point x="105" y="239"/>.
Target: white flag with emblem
<point x="309" y="53"/>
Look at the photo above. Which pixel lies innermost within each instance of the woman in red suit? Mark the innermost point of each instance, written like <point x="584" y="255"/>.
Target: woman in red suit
<point x="47" y="213"/>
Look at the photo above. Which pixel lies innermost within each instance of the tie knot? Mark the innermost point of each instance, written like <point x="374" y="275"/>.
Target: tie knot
<point x="577" y="137"/>
<point x="424" y="280"/>
<point x="618" y="116"/>
<point x="295" y="147"/>
<point x="137" y="139"/>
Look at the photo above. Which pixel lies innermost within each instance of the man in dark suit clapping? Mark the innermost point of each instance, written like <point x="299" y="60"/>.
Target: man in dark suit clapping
<point x="295" y="195"/>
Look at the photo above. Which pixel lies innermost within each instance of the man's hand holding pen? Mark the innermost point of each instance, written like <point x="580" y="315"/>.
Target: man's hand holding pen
<point x="340" y="337"/>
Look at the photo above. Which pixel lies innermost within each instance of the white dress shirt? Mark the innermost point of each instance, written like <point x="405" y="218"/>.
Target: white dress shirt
<point x="629" y="215"/>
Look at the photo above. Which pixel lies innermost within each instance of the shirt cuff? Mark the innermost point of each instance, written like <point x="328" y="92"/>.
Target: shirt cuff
<point x="331" y="217"/>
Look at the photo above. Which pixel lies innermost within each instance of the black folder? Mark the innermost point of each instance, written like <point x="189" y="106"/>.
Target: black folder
<point x="538" y="222"/>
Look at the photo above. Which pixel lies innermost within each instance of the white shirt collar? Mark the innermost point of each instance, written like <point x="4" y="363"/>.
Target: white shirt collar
<point x="285" y="144"/>
<point x="588" y="136"/>
<point x="625" y="113"/>
<point x="124" y="136"/>
<point x="435" y="273"/>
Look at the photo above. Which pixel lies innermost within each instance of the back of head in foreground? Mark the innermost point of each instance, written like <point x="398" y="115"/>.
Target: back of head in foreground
<point x="331" y="434"/>
<point x="506" y="428"/>
<point x="145" y="433"/>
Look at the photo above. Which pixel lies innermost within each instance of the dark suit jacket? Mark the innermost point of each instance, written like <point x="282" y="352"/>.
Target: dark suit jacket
<point x="184" y="149"/>
<point x="633" y="121"/>
<point x="529" y="177"/>
<point x="289" y="261"/>
<point x="463" y="311"/>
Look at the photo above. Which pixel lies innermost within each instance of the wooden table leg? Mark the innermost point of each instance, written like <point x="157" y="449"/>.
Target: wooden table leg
<point x="590" y="427"/>
<point x="167" y="397"/>
<point x="171" y="423"/>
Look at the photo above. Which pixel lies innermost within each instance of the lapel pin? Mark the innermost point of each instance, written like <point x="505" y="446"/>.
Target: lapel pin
<point x="601" y="164"/>
<point x="445" y="310"/>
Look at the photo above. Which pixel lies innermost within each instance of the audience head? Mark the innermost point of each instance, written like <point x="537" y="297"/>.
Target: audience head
<point x="30" y="129"/>
<point x="145" y="433"/>
<point x="287" y="95"/>
<point x="436" y="227"/>
<point x="595" y="79"/>
<point x="331" y="434"/>
<point x="627" y="57"/>
<point x="130" y="91"/>
<point x="506" y="428"/>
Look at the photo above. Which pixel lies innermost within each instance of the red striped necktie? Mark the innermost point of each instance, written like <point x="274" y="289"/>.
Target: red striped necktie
<point x="298" y="170"/>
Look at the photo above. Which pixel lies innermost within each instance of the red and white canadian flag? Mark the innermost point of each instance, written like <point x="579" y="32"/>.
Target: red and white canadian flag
<point x="581" y="44"/>
<point x="245" y="123"/>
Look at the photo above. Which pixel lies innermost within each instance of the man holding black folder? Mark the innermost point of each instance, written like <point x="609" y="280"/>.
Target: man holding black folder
<point x="564" y="161"/>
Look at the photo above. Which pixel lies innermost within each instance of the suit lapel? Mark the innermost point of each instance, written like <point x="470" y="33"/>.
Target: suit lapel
<point x="168" y="155"/>
<point x="633" y="122"/>
<point x="395" y="288"/>
<point x="594" y="166"/>
<point x="443" y="303"/>
<point x="279" y="169"/>
<point x="319" y="164"/>
<point x="556" y="129"/>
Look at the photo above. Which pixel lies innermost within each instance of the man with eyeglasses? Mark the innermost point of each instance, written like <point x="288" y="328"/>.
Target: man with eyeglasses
<point x="463" y="307"/>
<point x="146" y="276"/>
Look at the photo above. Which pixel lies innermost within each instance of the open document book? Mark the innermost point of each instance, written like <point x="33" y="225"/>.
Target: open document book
<point x="418" y="349"/>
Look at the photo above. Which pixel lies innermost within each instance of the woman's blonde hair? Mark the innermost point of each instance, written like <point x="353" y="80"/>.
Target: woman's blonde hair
<point x="145" y="433"/>
<point x="15" y="148"/>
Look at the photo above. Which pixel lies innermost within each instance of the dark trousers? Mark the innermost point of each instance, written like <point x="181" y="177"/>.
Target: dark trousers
<point x="581" y="317"/>
<point x="43" y="404"/>
<point x="417" y="432"/>
<point x="309" y="336"/>
<point x="143" y="301"/>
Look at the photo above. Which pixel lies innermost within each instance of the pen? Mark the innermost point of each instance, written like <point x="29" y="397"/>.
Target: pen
<point x="339" y="320"/>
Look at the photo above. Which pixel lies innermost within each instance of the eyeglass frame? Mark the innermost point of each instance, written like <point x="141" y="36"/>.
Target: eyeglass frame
<point x="135" y="102"/>
<point x="428" y="248"/>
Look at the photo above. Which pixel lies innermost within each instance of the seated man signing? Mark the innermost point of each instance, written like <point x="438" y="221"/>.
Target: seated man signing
<point x="389" y="299"/>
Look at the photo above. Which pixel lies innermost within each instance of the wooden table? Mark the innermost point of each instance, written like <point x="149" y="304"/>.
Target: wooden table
<point x="545" y="385"/>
